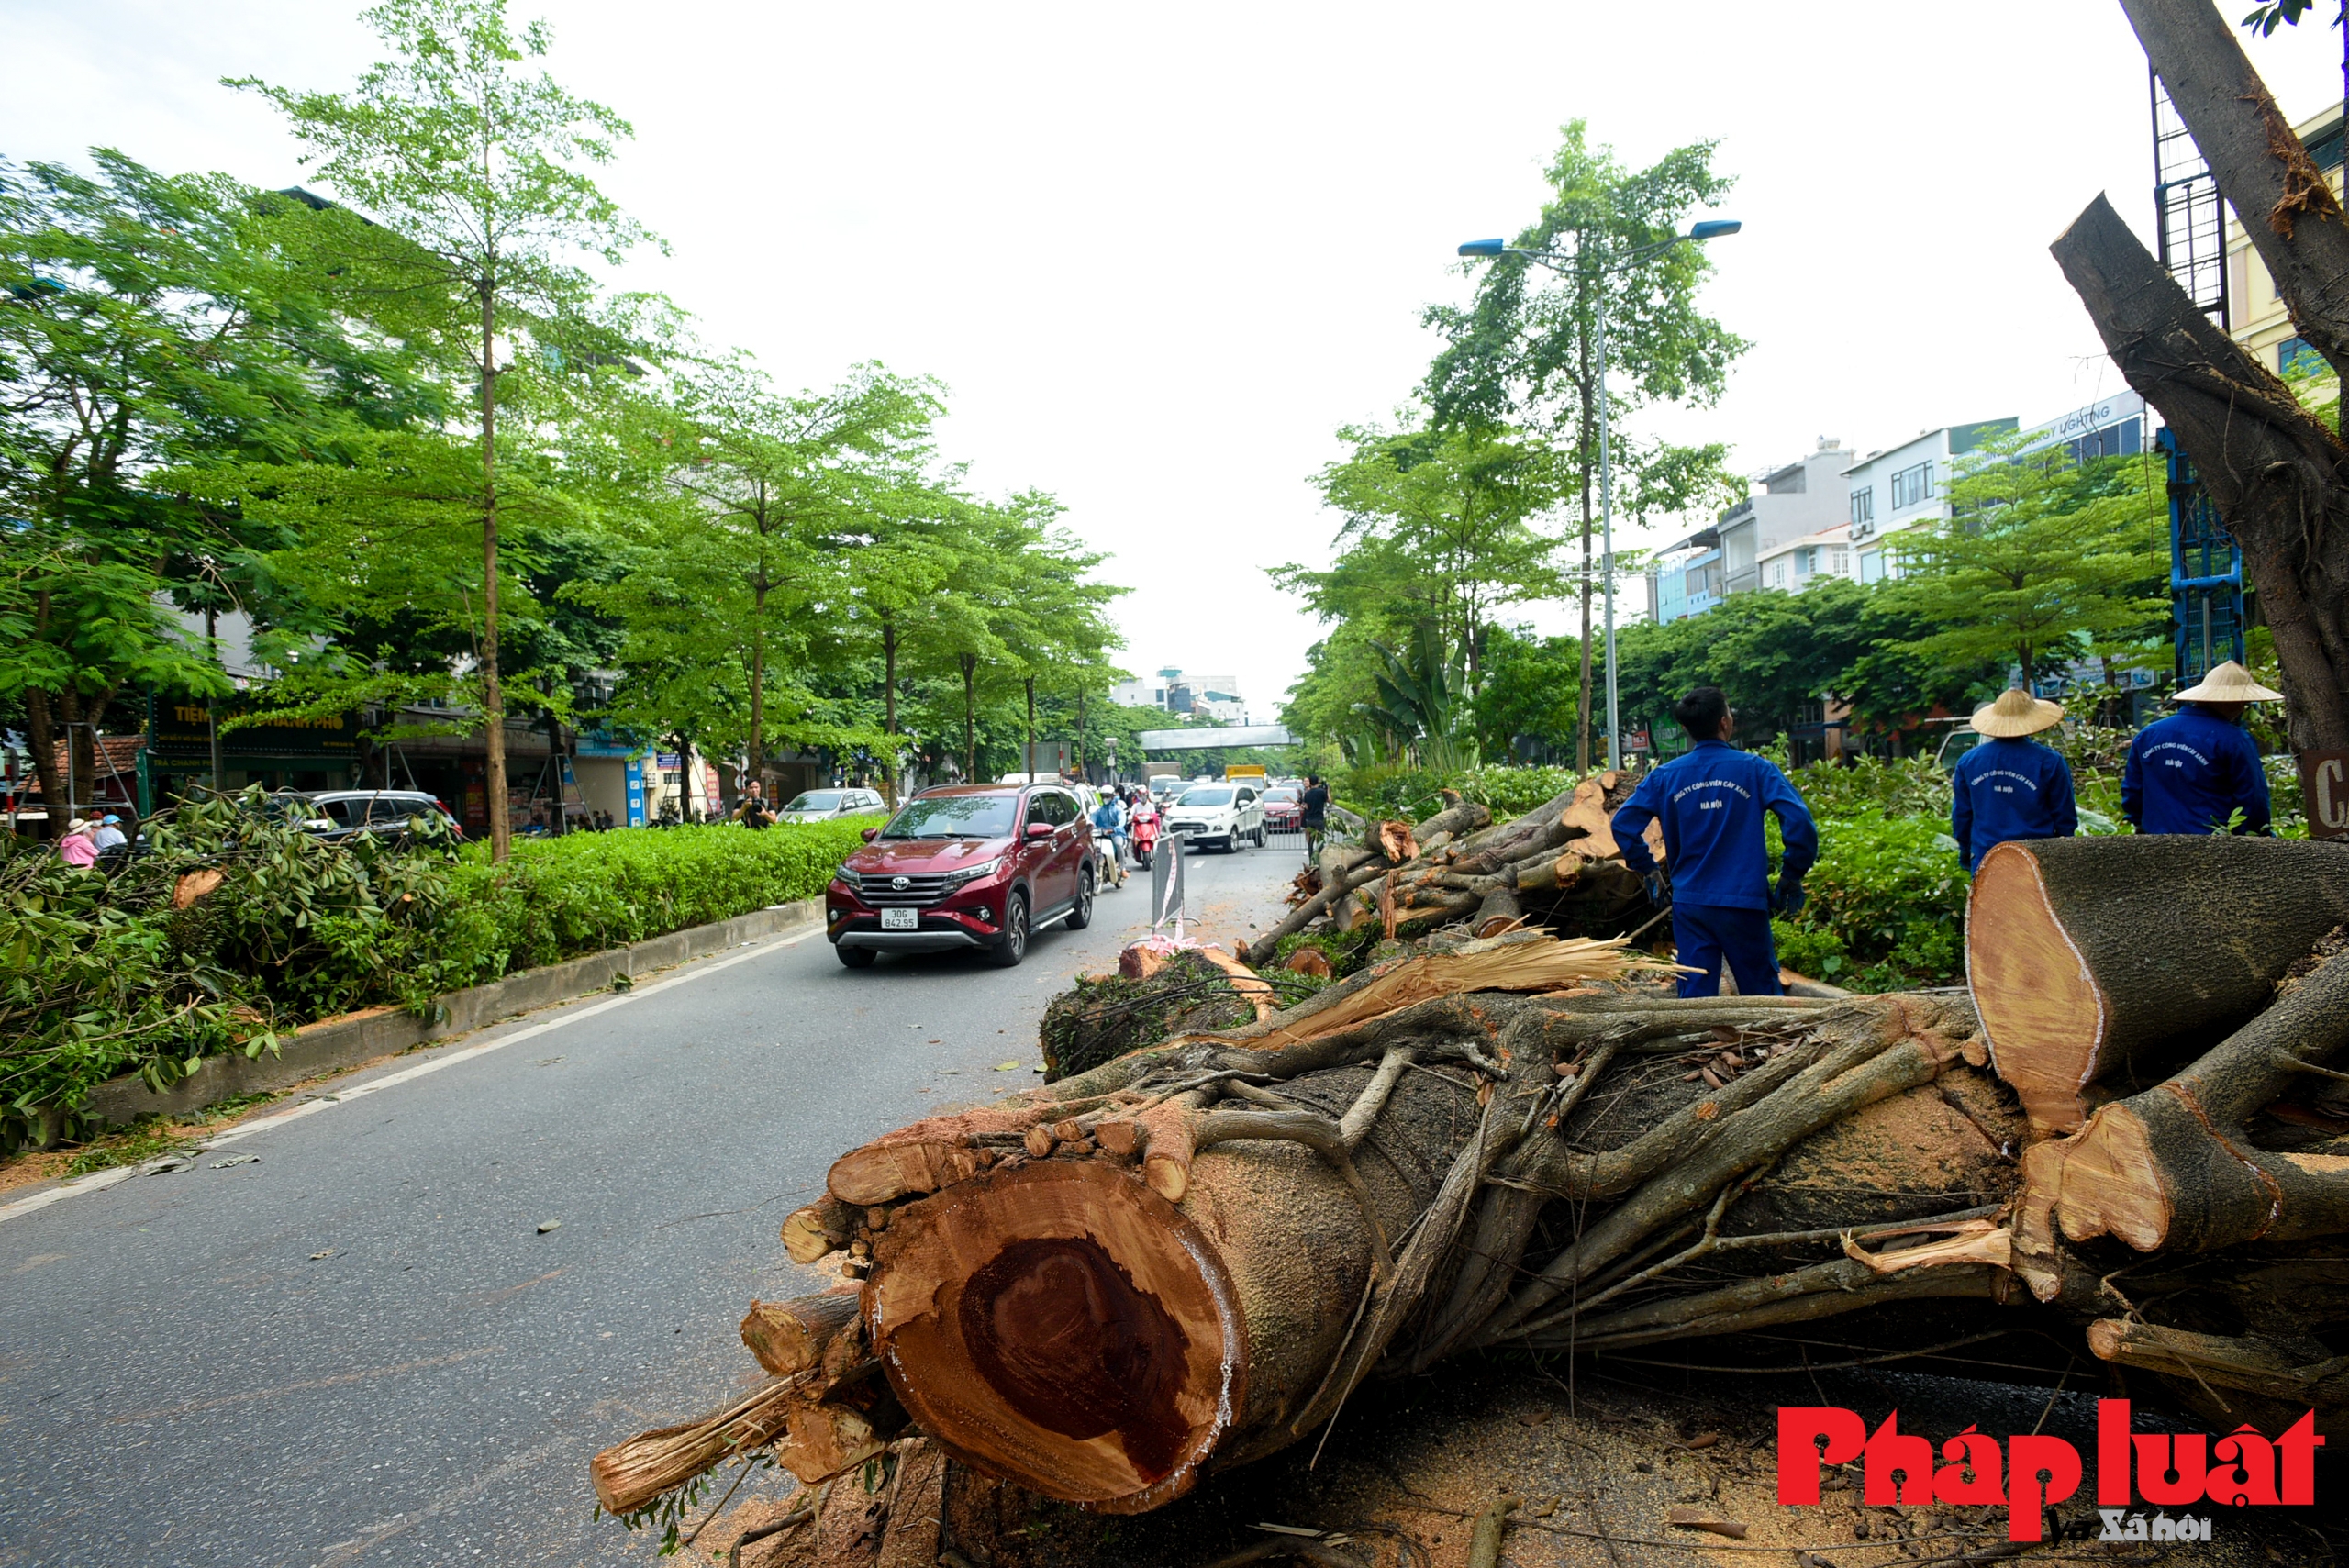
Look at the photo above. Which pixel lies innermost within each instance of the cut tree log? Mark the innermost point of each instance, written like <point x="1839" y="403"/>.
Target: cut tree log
<point x="629" y="1475"/>
<point x="2172" y="1170"/>
<point x="791" y="1337"/>
<point x="1189" y="1256"/>
<point x="2089" y="955"/>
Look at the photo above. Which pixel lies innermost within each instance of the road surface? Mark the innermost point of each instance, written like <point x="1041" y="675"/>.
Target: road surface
<point x="361" y="1348"/>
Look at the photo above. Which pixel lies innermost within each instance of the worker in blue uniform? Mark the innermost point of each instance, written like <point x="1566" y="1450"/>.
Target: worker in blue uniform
<point x="2010" y="786"/>
<point x="2192" y="771"/>
<point x="1709" y="804"/>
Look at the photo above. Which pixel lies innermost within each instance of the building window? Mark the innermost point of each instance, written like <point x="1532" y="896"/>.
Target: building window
<point x="1805" y="560"/>
<point x="1778" y="572"/>
<point x="1840" y="560"/>
<point x="1872" y="566"/>
<point x="2293" y="355"/>
<point x="1863" y="506"/>
<point x="1912" y="486"/>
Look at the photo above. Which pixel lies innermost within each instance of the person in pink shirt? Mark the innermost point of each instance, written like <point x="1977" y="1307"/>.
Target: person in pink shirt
<point x="79" y="848"/>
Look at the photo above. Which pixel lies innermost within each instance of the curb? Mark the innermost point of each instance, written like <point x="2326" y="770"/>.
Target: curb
<point x="346" y="1043"/>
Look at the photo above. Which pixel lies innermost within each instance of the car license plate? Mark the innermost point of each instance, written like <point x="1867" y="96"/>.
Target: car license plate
<point x="900" y="920"/>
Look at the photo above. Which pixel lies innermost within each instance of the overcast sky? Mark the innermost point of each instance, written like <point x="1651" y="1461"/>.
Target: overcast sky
<point x="1160" y="256"/>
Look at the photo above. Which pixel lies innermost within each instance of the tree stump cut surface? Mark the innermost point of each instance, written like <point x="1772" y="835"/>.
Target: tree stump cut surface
<point x="1073" y="1331"/>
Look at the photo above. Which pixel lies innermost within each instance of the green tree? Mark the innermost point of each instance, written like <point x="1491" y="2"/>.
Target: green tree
<point x="1525" y="352"/>
<point x="475" y="169"/>
<point x="1437" y="530"/>
<point x="148" y="325"/>
<point x="2041" y="561"/>
<point x="766" y="481"/>
<point x="1526" y="704"/>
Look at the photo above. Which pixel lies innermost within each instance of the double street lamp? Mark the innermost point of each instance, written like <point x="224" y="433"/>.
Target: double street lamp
<point x="1589" y="262"/>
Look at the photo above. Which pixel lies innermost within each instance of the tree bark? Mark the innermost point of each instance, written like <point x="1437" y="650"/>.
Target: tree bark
<point x="501" y="817"/>
<point x="970" y="717"/>
<point x="2274" y="473"/>
<point x="2087" y="956"/>
<point x="890" y="709"/>
<point x="2289" y="213"/>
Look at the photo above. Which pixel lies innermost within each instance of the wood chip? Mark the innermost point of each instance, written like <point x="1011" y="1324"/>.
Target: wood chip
<point x="1702" y="1440"/>
<point x="1698" y="1519"/>
<point x="1712" y="1079"/>
<point x="1533" y="1417"/>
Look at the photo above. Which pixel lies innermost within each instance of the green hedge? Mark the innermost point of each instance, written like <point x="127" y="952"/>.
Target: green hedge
<point x="104" y="977"/>
<point x="559" y="899"/>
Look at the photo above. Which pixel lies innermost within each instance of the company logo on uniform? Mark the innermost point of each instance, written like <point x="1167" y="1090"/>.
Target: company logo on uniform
<point x="2151" y="752"/>
<point x="1989" y="773"/>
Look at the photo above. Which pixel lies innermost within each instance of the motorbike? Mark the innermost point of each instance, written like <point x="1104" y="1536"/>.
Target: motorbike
<point x="1144" y="831"/>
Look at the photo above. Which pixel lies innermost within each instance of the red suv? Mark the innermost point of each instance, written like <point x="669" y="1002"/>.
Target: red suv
<point x="967" y="866"/>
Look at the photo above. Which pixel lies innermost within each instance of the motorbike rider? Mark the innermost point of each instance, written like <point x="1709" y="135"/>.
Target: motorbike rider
<point x="1144" y="825"/>
<point x="1109" y="823"/>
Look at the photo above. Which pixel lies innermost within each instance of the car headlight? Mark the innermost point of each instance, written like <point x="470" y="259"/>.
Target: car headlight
<point x="970" y="874"/>
<point x="855" y="883"/>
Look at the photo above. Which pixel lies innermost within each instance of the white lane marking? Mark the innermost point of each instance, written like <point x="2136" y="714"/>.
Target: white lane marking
<point x="104" y="1179"/>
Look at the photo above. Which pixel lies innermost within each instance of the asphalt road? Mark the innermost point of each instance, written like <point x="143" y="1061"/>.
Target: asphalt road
<point x="359" y="1348"/>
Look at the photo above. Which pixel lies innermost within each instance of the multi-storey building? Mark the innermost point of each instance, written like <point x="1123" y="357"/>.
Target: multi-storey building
<point x="1176" y="690"/>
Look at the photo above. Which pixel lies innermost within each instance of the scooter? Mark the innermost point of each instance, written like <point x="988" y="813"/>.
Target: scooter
<point x="1144" y="831"/>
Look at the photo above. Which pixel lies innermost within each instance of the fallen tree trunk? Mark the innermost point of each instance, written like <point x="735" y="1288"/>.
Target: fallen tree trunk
<point x="2086" y="955"/>
<point x="1189" y="1256"/>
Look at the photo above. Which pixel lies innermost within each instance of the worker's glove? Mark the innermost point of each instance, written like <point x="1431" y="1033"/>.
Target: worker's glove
<point x="1787" y="902"/>
<point x="1659" y="888"/>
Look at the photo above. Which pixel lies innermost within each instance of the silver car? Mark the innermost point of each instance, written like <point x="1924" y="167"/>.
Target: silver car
<point x="823" y="805"/>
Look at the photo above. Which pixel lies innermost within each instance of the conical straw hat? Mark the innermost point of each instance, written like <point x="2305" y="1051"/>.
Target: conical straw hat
<point x="2017" y="712"/>
<point x="2228" y="681"/>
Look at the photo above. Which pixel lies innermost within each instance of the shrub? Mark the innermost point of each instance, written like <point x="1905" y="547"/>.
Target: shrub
<point x="1886" y="902"/>
<point x="558" y="898"/>
<point x="103" y="976"/>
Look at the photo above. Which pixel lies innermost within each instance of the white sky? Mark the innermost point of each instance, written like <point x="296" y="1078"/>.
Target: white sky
<point x="1159" y="257"/>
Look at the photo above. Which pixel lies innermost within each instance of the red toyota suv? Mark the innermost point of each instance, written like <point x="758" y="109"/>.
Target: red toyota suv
<point x="966" y="866"/>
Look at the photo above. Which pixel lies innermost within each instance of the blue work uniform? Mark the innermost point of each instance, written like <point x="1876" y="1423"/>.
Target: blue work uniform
<point x="1110" y="817"/>
<point x="2010" y="787"/>
<point x="1711" y="803"/>
<point x="2188" y="773"/>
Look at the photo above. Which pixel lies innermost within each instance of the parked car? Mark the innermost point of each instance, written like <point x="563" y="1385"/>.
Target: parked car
<point x="1224" y="814"/>
<point x="1284" y="810"/>
<point x="982" y="866"/>
<point x="823" y="805"/>
<point x="379" y="813"/>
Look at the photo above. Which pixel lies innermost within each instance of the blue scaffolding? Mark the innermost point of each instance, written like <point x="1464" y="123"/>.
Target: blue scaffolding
<point x="2205" y="574"/>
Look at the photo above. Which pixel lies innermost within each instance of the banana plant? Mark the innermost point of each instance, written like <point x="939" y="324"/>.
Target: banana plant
<point x="1422" y="699"/>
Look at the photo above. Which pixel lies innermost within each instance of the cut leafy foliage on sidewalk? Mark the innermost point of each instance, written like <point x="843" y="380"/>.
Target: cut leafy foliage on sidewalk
<point x="278" y="926"/>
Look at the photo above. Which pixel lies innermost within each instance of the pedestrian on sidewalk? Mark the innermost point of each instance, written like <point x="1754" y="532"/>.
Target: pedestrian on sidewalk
<point x="2010" y="786"/>
<point x="1710" y="802"/>
<point x="2192" y="771"/>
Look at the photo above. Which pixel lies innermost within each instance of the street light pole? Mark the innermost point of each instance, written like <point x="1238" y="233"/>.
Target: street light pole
<point x="1713" y="228"/>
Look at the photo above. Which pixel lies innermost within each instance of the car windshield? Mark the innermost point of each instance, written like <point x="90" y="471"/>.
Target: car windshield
<point x="816" y="800"/>
<point x="1219" y="796"/>
<point x="954" y="816"/>
<point x="1272" y="797"/>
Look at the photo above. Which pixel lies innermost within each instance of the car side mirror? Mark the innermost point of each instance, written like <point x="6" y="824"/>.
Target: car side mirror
<point x="870" y="834"/>
<point x="1040" y="829"/>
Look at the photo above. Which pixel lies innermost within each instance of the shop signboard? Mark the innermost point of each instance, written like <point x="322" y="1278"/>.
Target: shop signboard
<point x="179" y="730"/>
